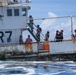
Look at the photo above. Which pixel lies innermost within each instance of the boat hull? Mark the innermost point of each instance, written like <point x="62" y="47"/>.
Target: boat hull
<point x="65" y="50"/>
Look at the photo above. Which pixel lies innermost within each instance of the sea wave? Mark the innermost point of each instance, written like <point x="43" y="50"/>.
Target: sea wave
<point x="37" y="68"/>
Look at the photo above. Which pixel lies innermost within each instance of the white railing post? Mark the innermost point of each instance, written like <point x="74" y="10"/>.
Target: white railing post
<point x="71" y="25"/>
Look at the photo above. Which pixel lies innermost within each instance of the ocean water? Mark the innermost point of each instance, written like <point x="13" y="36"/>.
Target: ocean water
<point x="37" y="68"/>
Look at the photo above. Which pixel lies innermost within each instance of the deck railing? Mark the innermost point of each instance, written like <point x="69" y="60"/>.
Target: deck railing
<point x="9" y="2"/>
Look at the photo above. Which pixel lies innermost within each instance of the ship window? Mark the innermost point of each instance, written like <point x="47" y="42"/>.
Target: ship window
<point x="16" y="12"/>
<point x="9" y="12"/>
<point x="23" y="11"/>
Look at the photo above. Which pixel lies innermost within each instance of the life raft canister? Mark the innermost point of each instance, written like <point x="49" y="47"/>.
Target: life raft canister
<point x="46" y="46"/>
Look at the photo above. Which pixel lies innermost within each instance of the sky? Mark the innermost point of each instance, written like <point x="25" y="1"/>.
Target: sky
<point x="41" y="8"/>
<point x="54" y="8"/>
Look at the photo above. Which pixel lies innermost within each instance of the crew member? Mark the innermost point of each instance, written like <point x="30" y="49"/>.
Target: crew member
<point x="20" y="39"/>
<point x="47" y="36"/>
<point x="28" y="44"/>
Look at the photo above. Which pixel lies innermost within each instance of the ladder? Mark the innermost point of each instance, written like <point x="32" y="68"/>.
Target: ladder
<point x="34" y="32"/>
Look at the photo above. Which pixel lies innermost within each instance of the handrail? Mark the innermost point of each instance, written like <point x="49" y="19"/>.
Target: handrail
<point x="41" y="34"/>
<point x="34" y="32"/>
<point x="54" y="17"/>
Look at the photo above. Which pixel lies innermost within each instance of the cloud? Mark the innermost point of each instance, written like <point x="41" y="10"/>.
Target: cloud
<point x="74" y="23"/>
<point x="67" y="26"/>
<point x="50" y="14"/>
<point x="47" y="23"/>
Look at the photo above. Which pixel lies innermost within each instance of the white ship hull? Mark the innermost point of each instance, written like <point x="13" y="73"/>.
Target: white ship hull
<point x="55" y="48"/>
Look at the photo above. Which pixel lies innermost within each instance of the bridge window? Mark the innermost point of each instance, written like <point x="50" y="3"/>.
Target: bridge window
<point x="9" y="12"/>
<point x="23" y="11"/>
<point x="16" y="12"/>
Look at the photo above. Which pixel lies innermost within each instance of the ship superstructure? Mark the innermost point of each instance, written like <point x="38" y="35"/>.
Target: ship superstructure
<point x="13" y="17"/>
